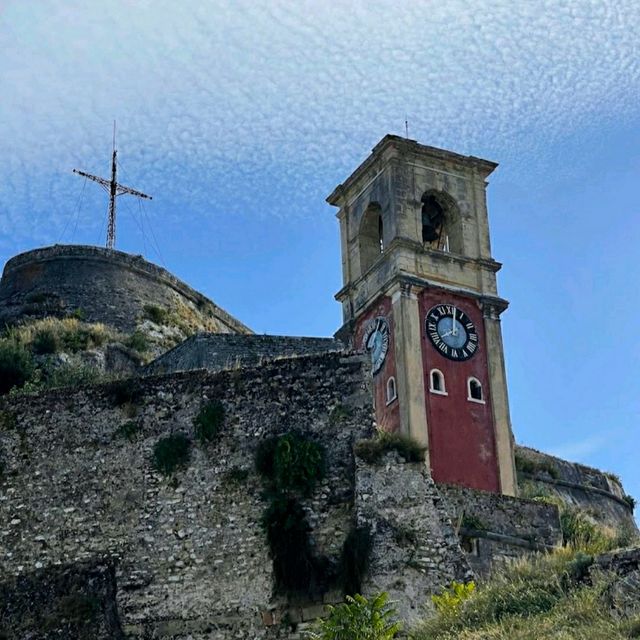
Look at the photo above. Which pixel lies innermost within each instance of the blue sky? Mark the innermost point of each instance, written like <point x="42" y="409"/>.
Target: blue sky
<point x="240" y="117"/>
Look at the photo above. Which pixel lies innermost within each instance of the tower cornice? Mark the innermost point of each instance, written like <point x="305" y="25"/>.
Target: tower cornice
<point x="392" y="146"/>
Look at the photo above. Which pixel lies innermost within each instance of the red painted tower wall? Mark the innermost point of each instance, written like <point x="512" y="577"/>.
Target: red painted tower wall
<point x="461" y="433"/>
<point x="387" y="415"/>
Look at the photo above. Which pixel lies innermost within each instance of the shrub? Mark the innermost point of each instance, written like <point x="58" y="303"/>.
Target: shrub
<point x="129" y="430"/>
<point x="156" y="314"/>
<point x="290" y="462"/>
<point x="579" y="531"/>
<point x="72" y="375"/>
<point x="8" y="421"/>
<point x="630" y="500"/>
<point x="16" y="365"/>
<point x="208" y="421"/>
<point x="373" y="450"/>
<point x="449" y="600"/>
<point x="287" y="529"/>
<point x="470" y="521"/>
<point x="524" y="464"/>
<point x="45" y="341"/>
<point x="78" y="313"/>
<point x="137" y="341"/>
<point x="359" y="619"/>
<point x="171" y="453"/>
<point x="38" y="298"/>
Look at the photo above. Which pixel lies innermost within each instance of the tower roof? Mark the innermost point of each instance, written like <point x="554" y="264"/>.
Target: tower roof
<point x="392" y="145"/>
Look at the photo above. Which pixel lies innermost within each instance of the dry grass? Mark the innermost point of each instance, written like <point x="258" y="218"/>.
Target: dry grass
<point x="540" y="597"/>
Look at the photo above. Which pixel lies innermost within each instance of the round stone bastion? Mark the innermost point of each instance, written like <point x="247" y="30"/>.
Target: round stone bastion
<point x="101" y="285"/>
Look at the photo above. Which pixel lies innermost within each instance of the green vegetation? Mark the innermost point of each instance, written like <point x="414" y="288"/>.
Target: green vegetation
<point x="544" y="596"/>
<point x="531" y="466"/>
<point x="38" y="298"/>
<point x="129" y="430"/>
<point x="16" y="365"/>
<point x="45" y="341"/>
<point x="373" y="450"/>
<point x="339" y="414"/>
<point x="630" y="500"/>
<point x="358" y="619"/>
<point x="470" y="521"/>
<point x="156" y="314"/>
<point x="290" y="463"/>
<point x="208" y="421"/>
<point x="450" y="599"/>
<point x="294" y="565"/>
<point x="171" y="453"/>
<point x="8" y="421"/>
<point x="137" y="341"/>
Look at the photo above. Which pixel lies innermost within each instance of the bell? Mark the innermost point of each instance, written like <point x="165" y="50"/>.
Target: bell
<point x="429" y="232"/>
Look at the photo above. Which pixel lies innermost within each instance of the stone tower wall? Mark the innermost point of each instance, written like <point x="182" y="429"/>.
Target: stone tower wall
<point x="101" y="285"/>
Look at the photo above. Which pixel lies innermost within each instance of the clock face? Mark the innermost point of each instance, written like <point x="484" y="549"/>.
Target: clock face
<point x="376" y="341"/>
<point x="451" y="332"/>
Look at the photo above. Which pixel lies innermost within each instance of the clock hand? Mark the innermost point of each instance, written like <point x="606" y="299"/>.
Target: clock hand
<point x="453" y="323"/>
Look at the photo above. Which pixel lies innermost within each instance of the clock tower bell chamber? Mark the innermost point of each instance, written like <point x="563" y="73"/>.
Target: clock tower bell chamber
<point x="420" y="297"/>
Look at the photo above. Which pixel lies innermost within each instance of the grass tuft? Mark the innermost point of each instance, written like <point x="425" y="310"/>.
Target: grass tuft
<point x="373" y="450"/>
<point x="171" y="453"/>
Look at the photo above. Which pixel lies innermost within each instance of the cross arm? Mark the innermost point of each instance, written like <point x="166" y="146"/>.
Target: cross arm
<point x="122" y="189"/>
<point x="101" y="181"/>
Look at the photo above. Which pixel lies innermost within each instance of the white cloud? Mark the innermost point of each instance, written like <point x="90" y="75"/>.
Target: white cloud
<point x="581" y="450"/>
<point x="220" y="102"/>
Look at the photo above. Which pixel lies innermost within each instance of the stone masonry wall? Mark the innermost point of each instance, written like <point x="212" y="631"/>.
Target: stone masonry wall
<point x="106" y="285"/>
<point x="223" y="351"/>
<point x="191" y="555"/>
<point x="415" y="549"/>
<point x="68" y="601"/>
<point x="589" y="489"/>
<point x="494" y="527"/>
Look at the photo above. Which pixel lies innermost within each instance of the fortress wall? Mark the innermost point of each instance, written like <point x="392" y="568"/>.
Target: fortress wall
<point x="495" y="527"/>
<point x="191" y="553"/>
<point x="223" y="351"/>
<point x="592" y="490"/>
<point x="106" y="285"/>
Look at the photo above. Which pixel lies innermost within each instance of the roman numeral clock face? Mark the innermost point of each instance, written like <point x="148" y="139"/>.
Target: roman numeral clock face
<point x="451" y="332"/>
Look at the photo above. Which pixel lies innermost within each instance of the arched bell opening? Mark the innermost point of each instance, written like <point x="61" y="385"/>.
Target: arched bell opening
<point x="441" y="226"/>
<point x="371" y="236"/>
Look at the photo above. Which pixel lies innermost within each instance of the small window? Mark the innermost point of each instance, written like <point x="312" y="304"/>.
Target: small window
<point x="436" y="382"/>
<point x="474" y="389"/>
<point x="392" y="394"/>
<point x="470" y="545"/>
<point x="381" y="234"/>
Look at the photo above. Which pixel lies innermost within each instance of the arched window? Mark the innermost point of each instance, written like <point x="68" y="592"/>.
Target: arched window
<point x="371" y="236"/>
<point x="436" y="382"/>
<point x="474" y="390"/>
<point x="391" y="390"/>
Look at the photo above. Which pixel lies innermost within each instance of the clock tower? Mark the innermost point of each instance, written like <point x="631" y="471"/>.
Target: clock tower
<point x="420" y="296"/>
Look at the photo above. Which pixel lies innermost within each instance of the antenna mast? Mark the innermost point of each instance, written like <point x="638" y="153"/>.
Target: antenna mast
<point x="113" y="189"/>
